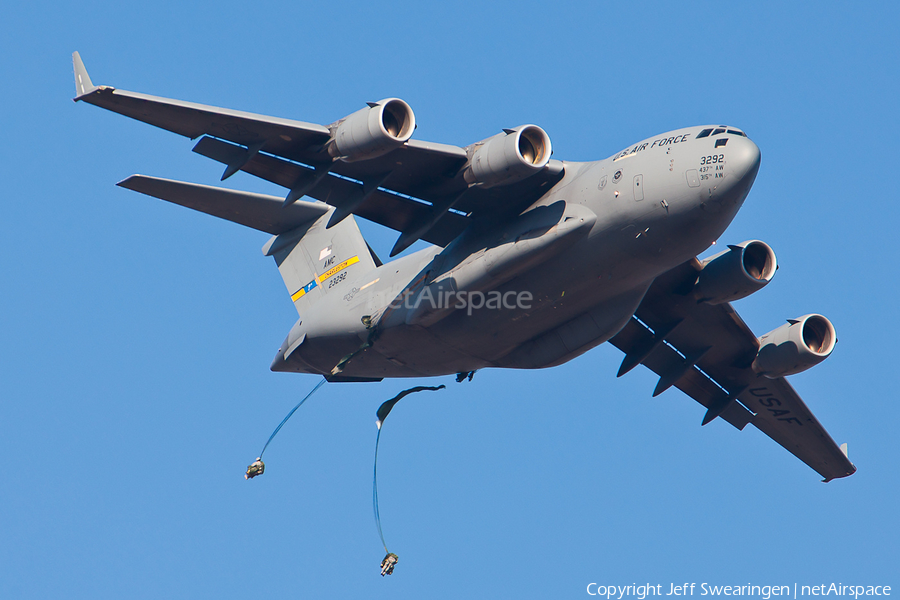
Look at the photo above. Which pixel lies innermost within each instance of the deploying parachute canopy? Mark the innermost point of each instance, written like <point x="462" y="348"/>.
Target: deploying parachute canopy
<point x="390" y="559"/>
<point x="386" y="407"/>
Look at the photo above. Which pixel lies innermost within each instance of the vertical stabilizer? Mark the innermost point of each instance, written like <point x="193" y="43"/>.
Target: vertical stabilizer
<point x="315" y="262"/>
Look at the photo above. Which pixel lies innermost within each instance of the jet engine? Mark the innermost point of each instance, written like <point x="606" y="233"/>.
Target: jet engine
<point x="372" y="131"/>
<point x="508" y="157"/>
<point x="794" y="347"/>
<point x="736" y="273"/>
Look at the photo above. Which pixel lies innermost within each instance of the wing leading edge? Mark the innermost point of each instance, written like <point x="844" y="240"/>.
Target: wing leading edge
<point x="706" y="351"/>
<point x="417" y="188"/>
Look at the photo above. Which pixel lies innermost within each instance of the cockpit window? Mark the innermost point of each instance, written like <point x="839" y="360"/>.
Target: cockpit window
<point x="718" y="130"/>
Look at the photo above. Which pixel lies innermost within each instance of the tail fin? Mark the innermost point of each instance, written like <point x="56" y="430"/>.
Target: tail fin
<point x="315" y="261"/>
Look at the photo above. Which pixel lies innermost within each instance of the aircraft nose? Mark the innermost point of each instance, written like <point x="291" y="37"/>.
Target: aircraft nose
<point x="744" y="157"/>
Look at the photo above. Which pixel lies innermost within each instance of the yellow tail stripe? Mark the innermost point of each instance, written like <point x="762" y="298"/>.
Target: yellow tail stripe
<point x="338" y="268"/>
<point x="318" y="279"/>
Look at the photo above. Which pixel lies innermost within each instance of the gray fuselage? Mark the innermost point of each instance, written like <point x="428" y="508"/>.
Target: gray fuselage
<point x="567" y="274"/>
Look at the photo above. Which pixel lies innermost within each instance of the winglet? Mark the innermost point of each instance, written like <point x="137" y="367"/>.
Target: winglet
<point x="847" y="454"/>
<point x="83" y="83"/>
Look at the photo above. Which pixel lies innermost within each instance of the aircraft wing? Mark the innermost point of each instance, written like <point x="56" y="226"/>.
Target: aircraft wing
<point x="706" y="351"/>
<point x="417" y="188"/>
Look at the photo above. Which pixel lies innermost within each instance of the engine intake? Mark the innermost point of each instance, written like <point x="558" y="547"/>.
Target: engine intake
<point x="736" y="273"/>
<point x="372" y="131"/>
<point x="795" y="347"/>
<point x="508" y="157"/>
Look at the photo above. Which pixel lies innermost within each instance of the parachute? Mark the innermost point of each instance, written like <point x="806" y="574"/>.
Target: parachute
<point x="390" y="559"/>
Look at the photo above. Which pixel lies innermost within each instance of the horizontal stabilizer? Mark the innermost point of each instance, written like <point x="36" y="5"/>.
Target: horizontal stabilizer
<point x="257" y="211"/>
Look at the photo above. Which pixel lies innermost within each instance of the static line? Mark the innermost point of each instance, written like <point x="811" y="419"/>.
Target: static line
<point x="280" y="425"/>
<point x="375" y="492"/>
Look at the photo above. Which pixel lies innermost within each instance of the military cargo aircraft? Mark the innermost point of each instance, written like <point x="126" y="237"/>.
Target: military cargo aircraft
<point x="533" y="261"/>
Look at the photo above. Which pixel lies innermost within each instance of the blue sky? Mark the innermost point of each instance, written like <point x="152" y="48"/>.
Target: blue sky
<point x="137" y="335"/>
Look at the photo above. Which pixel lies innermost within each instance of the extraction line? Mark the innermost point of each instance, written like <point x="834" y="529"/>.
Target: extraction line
<point x="280" y="425"/>
<point x="258" y="467"/>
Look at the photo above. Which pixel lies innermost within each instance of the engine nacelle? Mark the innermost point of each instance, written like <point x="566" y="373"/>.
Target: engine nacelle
<point x="508" y="157"/>
<point x="794" y="347"/>
<point x="736" y="273"/>
<point x="372" y="131"/>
